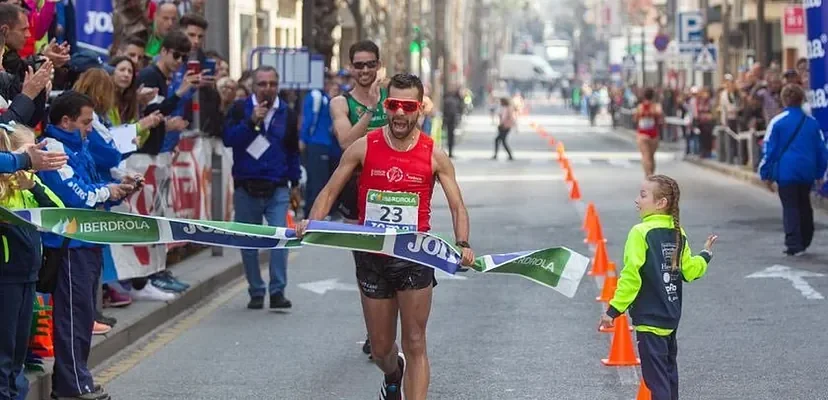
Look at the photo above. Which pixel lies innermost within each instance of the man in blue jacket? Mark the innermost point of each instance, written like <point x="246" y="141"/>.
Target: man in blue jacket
<point x="78" y="185"/>
<point x="795" y="158"/>
<point x="263" y="133"/>
<point x="321" y="148"/>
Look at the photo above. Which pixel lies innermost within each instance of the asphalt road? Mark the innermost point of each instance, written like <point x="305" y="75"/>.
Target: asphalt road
<point x="501" y="337"/>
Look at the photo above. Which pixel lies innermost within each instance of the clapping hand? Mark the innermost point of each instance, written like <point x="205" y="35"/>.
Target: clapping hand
<point x="57" y="54"/>
<point x="36" y="82"/>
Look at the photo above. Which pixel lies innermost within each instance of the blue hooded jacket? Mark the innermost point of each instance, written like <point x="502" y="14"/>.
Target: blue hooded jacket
<point x="280" y="162"/>
<point x="102" y="148"/>
<point x="77" y="183"/>
<point x="805" y="160"/>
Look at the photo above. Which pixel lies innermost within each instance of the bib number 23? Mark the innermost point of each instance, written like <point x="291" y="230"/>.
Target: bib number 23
<point x="391" y="214"/>
<point x="396" y="210"/>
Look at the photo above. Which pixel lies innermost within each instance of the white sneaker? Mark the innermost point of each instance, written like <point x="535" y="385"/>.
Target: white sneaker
<point x="151" y="293"/>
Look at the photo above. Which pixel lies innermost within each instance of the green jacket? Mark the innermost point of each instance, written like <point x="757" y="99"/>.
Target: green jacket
<point x="647" y="285"/>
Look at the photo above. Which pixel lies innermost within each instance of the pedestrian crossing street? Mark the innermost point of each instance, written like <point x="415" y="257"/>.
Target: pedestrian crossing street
<point x="534" y="157"/>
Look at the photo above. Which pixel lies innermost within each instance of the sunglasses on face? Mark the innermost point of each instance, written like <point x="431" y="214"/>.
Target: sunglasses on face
<point x="359" y="65"/>
<point x="408" y="106"/>
<point x="180" y="56"/>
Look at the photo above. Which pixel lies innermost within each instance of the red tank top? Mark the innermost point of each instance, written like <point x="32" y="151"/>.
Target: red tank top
<point x="647" y="120"/>
<point x="395" y="187"/>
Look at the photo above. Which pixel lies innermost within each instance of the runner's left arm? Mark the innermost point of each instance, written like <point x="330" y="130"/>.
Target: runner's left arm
<point x="351" y="159"/>
<point x="444" y="170"/>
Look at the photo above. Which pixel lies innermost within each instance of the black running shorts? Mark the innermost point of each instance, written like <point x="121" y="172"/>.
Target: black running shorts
<point x="381" y="277"/>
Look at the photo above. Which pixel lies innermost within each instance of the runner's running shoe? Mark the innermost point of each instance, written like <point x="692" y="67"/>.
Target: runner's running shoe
<point x="366" y="347"/>
<point x="393" y="390"/>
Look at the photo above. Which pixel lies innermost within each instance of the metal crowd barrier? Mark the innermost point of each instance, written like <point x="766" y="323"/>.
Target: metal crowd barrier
<point x="729" y="147"/>
<point x="738" y="148"/>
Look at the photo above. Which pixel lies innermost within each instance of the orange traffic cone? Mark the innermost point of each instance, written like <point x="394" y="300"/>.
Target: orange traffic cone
<point x="569" y="178"/>
<point x="291" y="224"/>
<point x="574" y="191"/>
<point x="600" y="262"/>
<point x="595" y="234"/>
<point x="561" y="151"/>
<point x="643" y="392"/>
<point x="621" y="350"/>
<point x="565" y="164"/>
<point x="610" y="282"/>
<point x="590" y="215"/>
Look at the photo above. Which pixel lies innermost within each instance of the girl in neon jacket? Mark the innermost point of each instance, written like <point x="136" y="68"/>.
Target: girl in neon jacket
<point x="20" y="260"/>
<point x="650" y="284"/>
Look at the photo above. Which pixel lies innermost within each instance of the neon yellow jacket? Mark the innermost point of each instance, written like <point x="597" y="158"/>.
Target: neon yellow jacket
<point x="21" y="246"/>
<point x="647" y="285"/>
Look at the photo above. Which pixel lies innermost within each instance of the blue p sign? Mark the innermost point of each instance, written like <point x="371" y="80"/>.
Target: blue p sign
<point x="690" y="27"/>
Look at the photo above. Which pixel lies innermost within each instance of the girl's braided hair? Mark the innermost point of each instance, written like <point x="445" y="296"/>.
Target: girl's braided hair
<point x="668" y="188"/>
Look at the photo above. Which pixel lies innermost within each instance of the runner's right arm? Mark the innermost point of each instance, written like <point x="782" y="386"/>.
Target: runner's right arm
<point x="345" y="133"/>
<point x="444" y="170"/>
<point x="351" y="159"/>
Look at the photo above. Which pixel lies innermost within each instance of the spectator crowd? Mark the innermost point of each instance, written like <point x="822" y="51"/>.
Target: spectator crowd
<point x="71" y="126"/>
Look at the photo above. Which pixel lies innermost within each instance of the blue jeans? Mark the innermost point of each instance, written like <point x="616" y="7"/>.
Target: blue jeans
<point x="251" y="210"/>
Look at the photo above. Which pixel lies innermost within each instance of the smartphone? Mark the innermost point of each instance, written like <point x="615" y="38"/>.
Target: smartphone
<point x="194" y="66"/>
<point x="210" y="65"/>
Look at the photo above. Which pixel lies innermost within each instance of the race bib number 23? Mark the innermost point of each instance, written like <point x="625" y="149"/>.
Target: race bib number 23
<point x="397" y="210"/>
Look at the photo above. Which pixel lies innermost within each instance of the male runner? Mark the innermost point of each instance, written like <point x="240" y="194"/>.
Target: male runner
<point x="353" y="114"/>
<point x="398" y="159"/>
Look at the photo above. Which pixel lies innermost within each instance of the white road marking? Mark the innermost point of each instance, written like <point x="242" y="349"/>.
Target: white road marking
<point x="797" y="278"/>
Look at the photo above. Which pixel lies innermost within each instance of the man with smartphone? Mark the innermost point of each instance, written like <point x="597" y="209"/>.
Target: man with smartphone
<point x="211" y="119"/>
<point x="173" y="55"/>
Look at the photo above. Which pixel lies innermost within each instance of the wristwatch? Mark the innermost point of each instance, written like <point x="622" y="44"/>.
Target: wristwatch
<point x="463" y="244"/>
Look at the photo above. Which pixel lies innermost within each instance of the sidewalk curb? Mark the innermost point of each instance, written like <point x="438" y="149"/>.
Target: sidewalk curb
<point x="40" y="385"/>
<point x="747" y="176"/>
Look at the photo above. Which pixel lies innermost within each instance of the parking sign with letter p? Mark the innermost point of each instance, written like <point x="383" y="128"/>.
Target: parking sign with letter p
<point x="690" y="30"/>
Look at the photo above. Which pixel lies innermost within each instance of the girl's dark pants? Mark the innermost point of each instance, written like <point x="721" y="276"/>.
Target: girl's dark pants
<point x="16" y="304"/>
<point x="658" y="364"/>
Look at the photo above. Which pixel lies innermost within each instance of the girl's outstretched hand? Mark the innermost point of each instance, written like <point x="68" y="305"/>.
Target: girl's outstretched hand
<point x="708" y="245"/>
